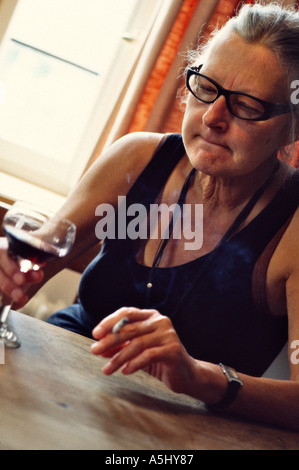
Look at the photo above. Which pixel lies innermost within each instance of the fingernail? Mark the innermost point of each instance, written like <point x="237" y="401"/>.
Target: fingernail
<point x="96" y="348"/>
<point x="107" y="369"/>
<point x="18" y="278"/>
<point x="16" y="295"/>
<point x="98" y="332"/>
<point x="125" y="369"/>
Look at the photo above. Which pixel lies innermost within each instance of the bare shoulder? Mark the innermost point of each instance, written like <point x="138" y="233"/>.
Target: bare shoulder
<point x="289" y="261"/>
<point x="111" y="176"/>
<point x="132" y="152"/>
<point x="120" y="165"/>
<point x="286" y="256"/>
<point x="292" y="242"/>
<point x="292" y="288"/>
<point x="283" y="272"/>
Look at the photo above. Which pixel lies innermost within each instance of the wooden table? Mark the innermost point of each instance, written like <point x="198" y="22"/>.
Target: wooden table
<point x="53" y="396"/>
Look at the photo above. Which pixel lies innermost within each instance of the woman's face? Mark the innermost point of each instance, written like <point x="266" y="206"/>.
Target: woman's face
<point x="220" y="144"/>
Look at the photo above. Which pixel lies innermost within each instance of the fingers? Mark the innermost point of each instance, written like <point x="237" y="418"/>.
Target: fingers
<point x="132" y="315"/>
<point x="145" y="338"/>
<point x="147" y="342"/>
<point x="12" y="280"/>
<point x="109" y="340"/>
<point x="8" y="265"/>
<point x="136" y="357"/>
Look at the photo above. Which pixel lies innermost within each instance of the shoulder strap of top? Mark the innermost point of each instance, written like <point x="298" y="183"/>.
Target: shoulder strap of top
<point x="259" y="232"/>
<point x="152" y="179"/>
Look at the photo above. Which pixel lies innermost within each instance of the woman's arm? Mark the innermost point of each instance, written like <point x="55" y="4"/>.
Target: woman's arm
<point x="112" y="175"/>
<point x="269" y="400"/>
<point x="149" y="342"/>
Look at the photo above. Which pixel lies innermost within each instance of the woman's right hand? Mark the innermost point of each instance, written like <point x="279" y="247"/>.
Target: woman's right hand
<point x="13" y="282"/>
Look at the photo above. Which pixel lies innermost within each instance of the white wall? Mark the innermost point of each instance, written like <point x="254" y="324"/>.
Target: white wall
<point x="279" y="369"/>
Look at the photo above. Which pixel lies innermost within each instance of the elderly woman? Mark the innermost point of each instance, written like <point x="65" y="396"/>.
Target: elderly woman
<point x="232" y="299"/>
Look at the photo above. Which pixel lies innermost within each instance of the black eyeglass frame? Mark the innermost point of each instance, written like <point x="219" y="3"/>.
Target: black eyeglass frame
<point x="270" y="109"/>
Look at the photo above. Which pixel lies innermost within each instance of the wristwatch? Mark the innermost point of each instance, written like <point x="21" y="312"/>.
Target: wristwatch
<point x="233" y="386"/>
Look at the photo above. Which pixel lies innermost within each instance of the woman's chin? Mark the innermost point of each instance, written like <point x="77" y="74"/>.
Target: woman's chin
<point x="211" y="165"/>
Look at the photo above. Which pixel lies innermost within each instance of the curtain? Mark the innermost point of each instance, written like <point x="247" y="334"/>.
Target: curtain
<point x="119" y="121"/>
<point x="157" y="94"/>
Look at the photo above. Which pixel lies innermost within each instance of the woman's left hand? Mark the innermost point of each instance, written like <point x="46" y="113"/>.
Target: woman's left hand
<point x="148" y="342"/>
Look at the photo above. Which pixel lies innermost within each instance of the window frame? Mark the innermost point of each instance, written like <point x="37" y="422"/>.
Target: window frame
<point x="128" y="49"/>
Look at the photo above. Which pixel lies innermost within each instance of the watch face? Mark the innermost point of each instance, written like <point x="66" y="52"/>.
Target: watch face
<point x="233" y="386"/>
<point x="231" y="374"/>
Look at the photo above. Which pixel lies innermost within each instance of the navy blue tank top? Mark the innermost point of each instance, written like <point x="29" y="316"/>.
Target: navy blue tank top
<point x="218" y="321"/>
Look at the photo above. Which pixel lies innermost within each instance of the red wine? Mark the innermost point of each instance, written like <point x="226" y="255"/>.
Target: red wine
<point x="26" y="246"/>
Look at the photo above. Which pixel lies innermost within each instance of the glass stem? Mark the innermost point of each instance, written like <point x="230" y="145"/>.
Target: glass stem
<point x="4" y="312"/>
<point x="25" y="266"/>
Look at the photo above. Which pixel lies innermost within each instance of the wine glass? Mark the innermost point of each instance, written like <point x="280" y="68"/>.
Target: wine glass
<point x="35" y="237"/>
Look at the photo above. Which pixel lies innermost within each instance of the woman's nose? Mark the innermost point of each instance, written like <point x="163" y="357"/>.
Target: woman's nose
<point x="217" y="115"/>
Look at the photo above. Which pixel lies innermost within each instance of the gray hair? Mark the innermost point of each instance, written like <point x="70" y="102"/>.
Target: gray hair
<point x="271" y="25"/>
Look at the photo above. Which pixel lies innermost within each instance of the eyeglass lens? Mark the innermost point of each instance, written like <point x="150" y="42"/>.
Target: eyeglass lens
<point x="241" y="105"/>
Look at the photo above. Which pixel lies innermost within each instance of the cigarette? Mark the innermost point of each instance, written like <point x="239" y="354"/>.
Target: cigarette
<point x="119" y="325"/>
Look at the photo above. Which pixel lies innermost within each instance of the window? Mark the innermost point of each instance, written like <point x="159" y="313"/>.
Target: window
<point x="63" y="65"/>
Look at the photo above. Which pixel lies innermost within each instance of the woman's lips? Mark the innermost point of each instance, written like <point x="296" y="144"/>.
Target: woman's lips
<point x="213" y="142"/>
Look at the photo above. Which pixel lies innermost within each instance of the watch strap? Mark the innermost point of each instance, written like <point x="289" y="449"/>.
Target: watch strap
<point x="233" y="386"/>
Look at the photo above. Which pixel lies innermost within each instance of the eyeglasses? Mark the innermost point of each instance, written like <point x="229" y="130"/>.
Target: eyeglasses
<point x="241" y="105"/>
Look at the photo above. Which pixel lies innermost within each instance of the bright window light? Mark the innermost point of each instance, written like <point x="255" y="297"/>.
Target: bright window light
<point x="61" y="62"/>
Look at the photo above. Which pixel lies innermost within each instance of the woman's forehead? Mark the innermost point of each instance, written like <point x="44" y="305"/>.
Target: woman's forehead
<point x="240" y="66"/>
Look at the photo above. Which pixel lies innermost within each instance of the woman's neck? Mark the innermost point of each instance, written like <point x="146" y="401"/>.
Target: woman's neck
<point x="229" y="193"/>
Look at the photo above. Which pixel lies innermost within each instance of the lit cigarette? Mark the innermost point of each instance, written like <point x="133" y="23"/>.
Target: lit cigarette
<point x="120" y="324"/>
